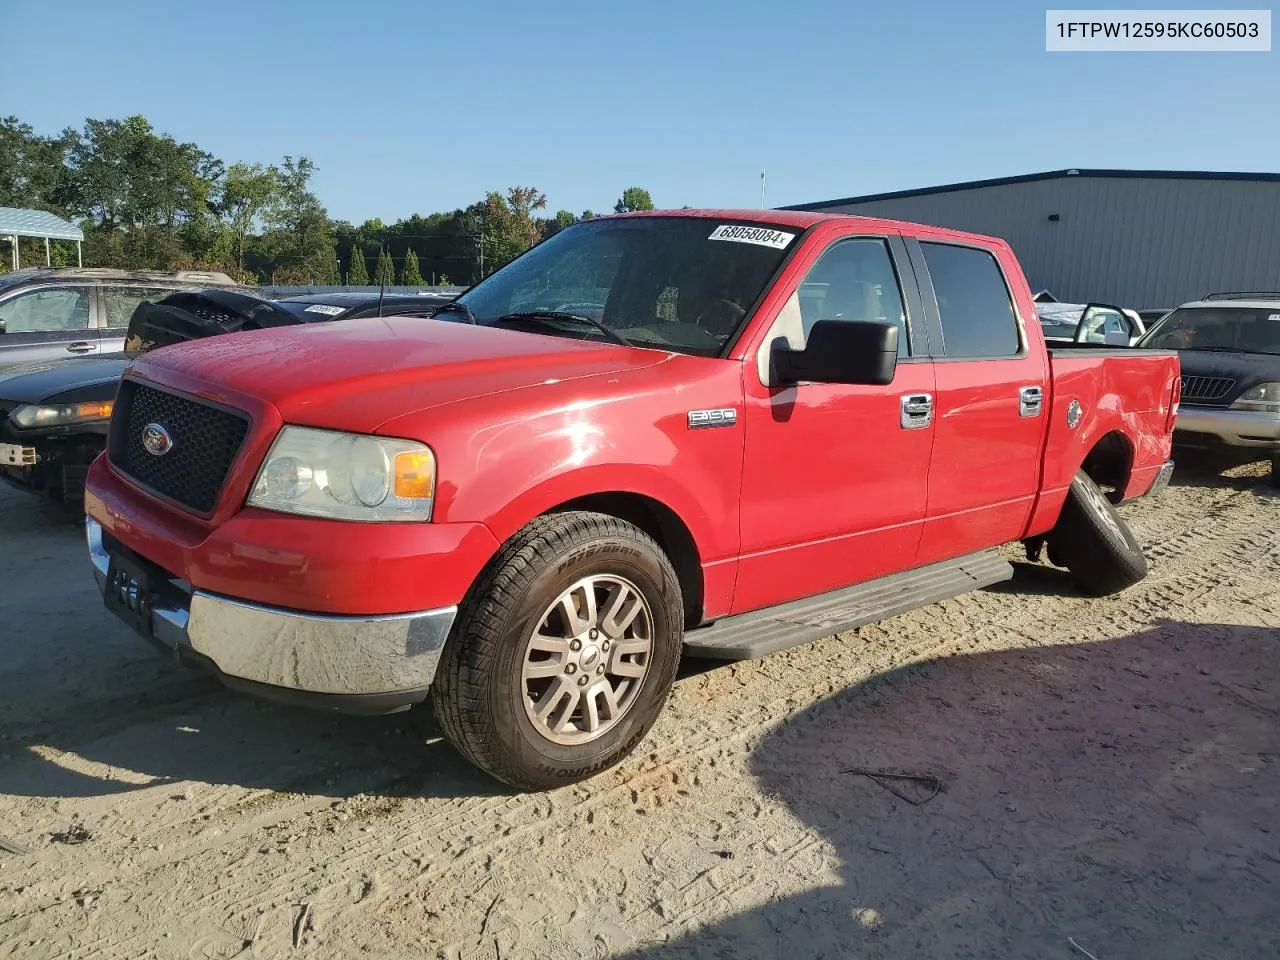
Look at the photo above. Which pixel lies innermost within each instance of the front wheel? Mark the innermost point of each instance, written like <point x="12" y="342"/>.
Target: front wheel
<point x="1275" y="469"/>
<point x="1094" y="543"/>
<point x="564" y="652"/>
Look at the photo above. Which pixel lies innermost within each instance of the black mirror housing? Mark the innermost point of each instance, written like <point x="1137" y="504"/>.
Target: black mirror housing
<point x="842" y="351"/>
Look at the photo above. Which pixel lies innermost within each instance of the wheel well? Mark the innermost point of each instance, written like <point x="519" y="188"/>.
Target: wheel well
<point x="660" y="522"/>
<point x="1109" y="463"/>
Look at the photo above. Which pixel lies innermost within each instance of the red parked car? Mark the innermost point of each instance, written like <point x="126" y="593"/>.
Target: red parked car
<point x="722" y="432"/>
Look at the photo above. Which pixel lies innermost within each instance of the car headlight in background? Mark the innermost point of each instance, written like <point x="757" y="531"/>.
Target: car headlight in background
<point x="346" y="476"/>
<point x="1264" y="398"/>
<point x="60" y="415"/>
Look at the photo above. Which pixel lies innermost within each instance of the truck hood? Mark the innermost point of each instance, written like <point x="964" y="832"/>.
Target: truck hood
<point x="38" y="382"/>
<point x="359" y="374"/>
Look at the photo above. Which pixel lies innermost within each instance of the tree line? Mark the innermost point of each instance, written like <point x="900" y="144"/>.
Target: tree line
<point x="146" y="201"/>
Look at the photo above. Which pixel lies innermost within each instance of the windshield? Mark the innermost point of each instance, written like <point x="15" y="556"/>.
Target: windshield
<point x="1243" y="329"/>
<point x="674" y="283"/>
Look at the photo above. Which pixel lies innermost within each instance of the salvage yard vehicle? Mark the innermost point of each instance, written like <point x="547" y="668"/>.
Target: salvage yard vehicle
<point x="47" y="313"/>
<point x="54" y="415"/>
<point x="719" y="432"/>
<point x="1090" y="323"/>
<point x="1229" y="346"/>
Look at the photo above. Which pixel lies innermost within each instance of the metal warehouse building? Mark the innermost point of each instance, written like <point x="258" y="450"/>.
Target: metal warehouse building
<point x="1133" y="238"/>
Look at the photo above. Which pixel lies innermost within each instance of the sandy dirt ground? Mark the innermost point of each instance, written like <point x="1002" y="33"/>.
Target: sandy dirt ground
<point x="1110" y="775"/>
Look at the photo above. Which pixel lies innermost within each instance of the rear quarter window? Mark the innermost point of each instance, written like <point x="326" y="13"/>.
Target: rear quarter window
<point x="973" y="301"/>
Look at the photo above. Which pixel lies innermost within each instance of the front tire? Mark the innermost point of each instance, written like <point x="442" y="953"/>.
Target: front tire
<point x="1275" y="470"/>
<point x="564" y="652"/>
<point x="1094" y="543"/>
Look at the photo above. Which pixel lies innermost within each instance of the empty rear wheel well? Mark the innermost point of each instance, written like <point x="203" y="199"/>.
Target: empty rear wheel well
<point x="660" y="522"/>
<point x="1109" y="464"/>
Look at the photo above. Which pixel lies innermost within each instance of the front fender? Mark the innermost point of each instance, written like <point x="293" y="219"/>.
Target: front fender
<point x="506" y="459"/>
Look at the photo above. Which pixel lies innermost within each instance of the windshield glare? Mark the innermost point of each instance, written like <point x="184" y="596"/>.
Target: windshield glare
<point x="1247" y="329"/>
<point x="661" y="282"/>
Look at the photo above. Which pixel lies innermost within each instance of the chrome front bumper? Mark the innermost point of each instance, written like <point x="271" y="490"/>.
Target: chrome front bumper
<point x="386" y="661"/>
<point x="1235" y="428"/>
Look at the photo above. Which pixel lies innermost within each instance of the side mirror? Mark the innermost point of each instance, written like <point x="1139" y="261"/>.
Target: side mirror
<point x="840" y="351"/>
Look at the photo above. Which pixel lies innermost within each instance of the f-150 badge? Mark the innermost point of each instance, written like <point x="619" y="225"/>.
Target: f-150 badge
<point x="712" y="418"/>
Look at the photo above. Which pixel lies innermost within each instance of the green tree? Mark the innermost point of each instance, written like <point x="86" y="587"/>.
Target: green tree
<point x="31" y="166"/>
<point x="411" y="275"/>
<point x="553" y="225"/>
<point x="385" y="272"/>
<point x="633" y="199"/>
<point x="248" y="189"/>
<point x="140" y="191"/>
<point x="358" y="272"/>
<point x="299" y="238"/>
<point x="505" y="226"/>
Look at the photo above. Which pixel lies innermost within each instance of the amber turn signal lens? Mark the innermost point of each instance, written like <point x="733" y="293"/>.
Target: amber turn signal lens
<point x="94" y="411"/>
<point x="415" y="475"/>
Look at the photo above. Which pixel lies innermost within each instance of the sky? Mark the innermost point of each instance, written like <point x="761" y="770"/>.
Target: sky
<point x="422" y="106"/>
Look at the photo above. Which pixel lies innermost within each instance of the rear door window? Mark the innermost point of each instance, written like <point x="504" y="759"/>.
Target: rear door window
<point x="973" y="301"/>
<point x="120" y="302"/>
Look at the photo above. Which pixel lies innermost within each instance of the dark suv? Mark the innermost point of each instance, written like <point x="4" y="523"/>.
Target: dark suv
<point x="50" y="313"/>
<point x="1229" y="345"/>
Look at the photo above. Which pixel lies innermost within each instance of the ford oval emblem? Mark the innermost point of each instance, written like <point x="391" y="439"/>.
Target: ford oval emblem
<point x="156" y="440"/>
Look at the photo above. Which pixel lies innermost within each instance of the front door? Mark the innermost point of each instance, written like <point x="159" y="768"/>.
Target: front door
<point x="47" y="323"/>
<point x="835" y="476"/>
<point x="992" y="400"/>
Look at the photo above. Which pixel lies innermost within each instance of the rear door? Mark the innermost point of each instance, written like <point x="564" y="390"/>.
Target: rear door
<point x="47" y="323"/>
<point x="835" y="476"/>
<point x="118" y="303"/>
<point x="992" y="394"/>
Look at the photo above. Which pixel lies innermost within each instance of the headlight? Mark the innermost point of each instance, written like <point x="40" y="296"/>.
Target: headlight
<point x="1264" y="398"/>
<point x="346" y="476"/>
<point x="60" y="415"/>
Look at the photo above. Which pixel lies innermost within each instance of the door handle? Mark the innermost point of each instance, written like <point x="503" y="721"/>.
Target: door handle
<point x="80" y="346"/>
<point x="917" y="410"/>
<point x="1030" y="400"/>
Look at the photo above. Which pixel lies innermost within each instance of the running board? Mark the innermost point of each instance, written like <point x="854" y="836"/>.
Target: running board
<point x="761" y="632"/>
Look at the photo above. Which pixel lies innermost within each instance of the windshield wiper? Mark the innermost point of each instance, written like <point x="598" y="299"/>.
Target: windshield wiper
<point x="453" y="306"/>
<point x="552" y="315"/>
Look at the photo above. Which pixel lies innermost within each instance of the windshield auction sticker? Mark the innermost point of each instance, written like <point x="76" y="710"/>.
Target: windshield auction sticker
<point x="762" y="236"/>
<point x="327" y="309"/>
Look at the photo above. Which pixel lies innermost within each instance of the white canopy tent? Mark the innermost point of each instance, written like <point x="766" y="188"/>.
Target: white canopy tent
<point x="16" y="222"/>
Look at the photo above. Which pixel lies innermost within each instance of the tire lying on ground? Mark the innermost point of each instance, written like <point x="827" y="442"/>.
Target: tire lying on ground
<point x="564" y="652"/>
<point x="1094" y="543"/>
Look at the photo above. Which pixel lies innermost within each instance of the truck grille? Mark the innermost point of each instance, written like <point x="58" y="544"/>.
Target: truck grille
<point x="205" y="441"/>
<point x="1206" y="389"/>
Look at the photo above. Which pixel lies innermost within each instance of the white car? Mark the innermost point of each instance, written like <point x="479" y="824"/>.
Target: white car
<point x="1090" y="323"/>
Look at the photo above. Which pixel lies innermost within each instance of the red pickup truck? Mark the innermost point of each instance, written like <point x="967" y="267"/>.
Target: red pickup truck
<point x="712" y="431"/>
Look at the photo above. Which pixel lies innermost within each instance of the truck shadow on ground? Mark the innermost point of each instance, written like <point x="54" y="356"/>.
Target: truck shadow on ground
<point x="1125" y="794"/>
<point x="1202" y="468"/>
